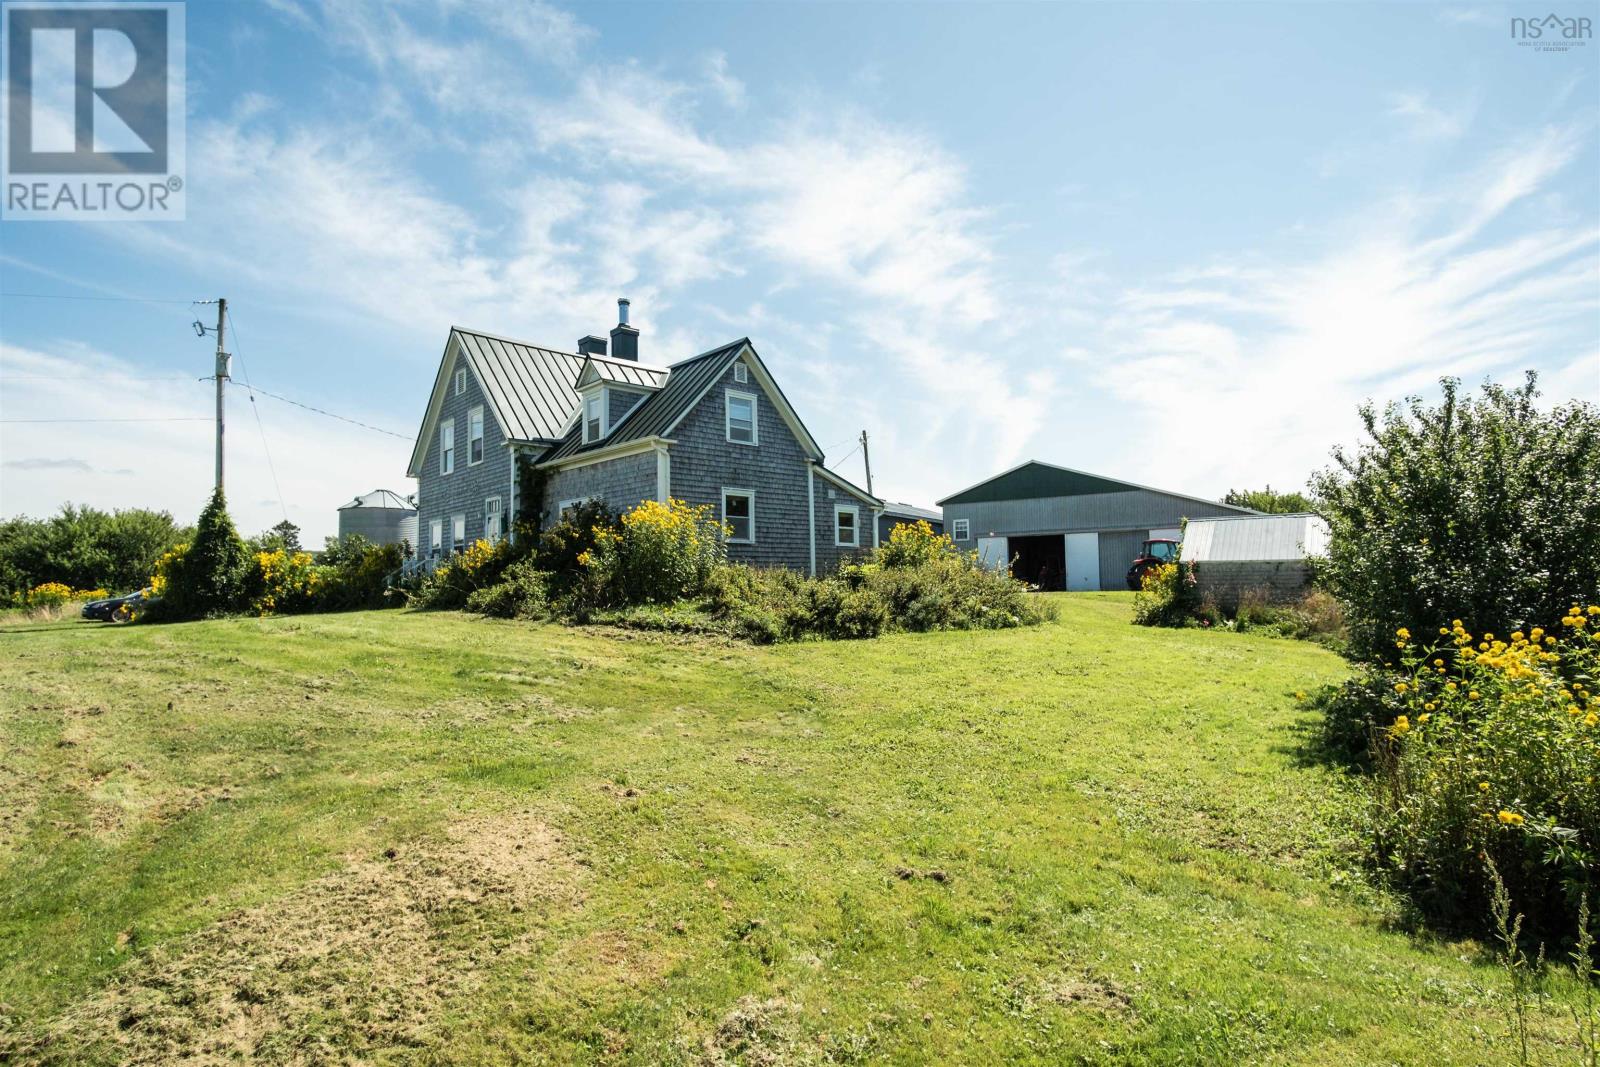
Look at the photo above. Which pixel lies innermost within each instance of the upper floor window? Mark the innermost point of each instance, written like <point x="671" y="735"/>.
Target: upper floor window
<point x="461" y="382"/>
<point x="739" y="514"/>
<point x="447" y="447"/>
<point x="961" y="529"/>
<point x="846" y="523"/>
<point x="593" y="414"/>
<point x="741" y="418"/>
<point x="475" y="436"/>
<point x="741" y="373"/>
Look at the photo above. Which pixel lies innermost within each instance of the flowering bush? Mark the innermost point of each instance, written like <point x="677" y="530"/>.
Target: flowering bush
<point x="55" y="594"/>
<point x="1495" y="752"/>
<point x="1168" y="596"/>
<point x="169" y="564"/>
<point x="478" y="567"/>
<point x="658" y="554"/>
<point x="283" y="583"/>
<point x="913" y="544"/>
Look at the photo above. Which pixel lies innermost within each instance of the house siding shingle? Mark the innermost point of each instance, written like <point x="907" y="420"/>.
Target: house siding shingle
<point x="439" y="496"/>
<point x="619" y="403"/>
<point x="704" y="462"/>
<point x="621" y="483"/>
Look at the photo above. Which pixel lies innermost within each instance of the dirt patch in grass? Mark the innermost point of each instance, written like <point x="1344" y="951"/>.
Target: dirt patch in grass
<point x="762" y="1033"/>
<point x="347" y="966"/>
<point x="1082" y="991"/>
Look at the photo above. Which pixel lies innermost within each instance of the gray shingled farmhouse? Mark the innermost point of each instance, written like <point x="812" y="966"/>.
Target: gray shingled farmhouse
<point x="714" y="429"/>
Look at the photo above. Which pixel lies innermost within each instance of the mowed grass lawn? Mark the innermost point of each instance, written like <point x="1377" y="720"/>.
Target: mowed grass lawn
<point x="403" y="837"/>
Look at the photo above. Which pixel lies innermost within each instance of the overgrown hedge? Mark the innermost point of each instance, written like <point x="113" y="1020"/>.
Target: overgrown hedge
<point x="663" y="566"/>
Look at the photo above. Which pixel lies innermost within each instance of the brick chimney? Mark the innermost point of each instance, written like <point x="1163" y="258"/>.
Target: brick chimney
<point x="624" y="338"/>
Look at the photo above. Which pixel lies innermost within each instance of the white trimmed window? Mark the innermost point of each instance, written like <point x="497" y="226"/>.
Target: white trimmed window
<point x="569" y="508"/>
<point x="741" y="373"/>
<point x="961" y="530"/>
<point x="458" y="533"/>
<point x="436" y="536"/>
<point x="461" y="382"/>
<point x="846" y="526"/>
<point x="739" y="514"/>
<point x="447" y="447"/>
<point x="594" y="410"/>
<point x="475" y="436"/>
<point x="493" y="516"/>
<point x="740" y="418"/>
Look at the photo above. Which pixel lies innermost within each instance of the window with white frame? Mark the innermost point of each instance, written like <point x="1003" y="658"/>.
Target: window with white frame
<point x="741" y="373"/>
<point x="436" y="536"/>
<point x="847" y="526"/>
<point x="461" y="382"/>
<point x="475" y="436"/>
<point x="447" y="447"/>
<point x="458" y="533"/>
<point x="739" y="515"/>
<point x="568" y="509"/>
<point x="962" y="529"/>
<point x="593" y="414"/>
<point x="740" y="415"/>
<point x="493" y="512"/>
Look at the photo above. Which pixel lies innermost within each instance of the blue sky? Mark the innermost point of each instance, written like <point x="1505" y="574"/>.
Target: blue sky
<point x="1176" y="244"/>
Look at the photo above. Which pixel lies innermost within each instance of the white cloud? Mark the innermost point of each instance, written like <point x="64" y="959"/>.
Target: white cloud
<point x="1426" y="120"/>
<point x="1266" y="364"/>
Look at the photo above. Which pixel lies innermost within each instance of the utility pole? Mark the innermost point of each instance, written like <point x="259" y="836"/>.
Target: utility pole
<point x="222" y="379"/>
<point x="866" y="458"/>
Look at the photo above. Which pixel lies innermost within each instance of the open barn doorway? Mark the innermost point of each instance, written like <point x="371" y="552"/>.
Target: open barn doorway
<point x="1040" y="561"/>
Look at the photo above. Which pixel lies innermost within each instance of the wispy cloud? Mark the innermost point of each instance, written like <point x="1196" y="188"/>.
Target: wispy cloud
<point x="1427" y="120"/>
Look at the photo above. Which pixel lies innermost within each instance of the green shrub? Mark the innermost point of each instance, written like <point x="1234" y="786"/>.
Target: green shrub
<point x="658" y="553"/>
<point x="210" y="577"/>
<point x="523" y="592"/>
<point x="559" y="548"/>
<point x="354" y="574"/>
<point x="282" y="583"/>
<point x="1481" y="508"/>
<point x="1168" y="596"/>
<point x="914" y="544"/>
<point x="1495" y="753"/>
<point x="84" y="548"/>
<point x="951" y="592"/>
<point x="453" y="581"/>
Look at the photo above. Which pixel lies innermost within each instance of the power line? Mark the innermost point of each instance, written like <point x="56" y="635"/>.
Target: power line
<point x="238" y="344"/>
<point x="331" y="415"/>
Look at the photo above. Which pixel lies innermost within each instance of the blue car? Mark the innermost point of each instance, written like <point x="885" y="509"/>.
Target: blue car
<point x="106" y="610"/>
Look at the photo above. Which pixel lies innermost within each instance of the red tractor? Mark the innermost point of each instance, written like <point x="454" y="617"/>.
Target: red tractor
<point x="1152" y="554"/>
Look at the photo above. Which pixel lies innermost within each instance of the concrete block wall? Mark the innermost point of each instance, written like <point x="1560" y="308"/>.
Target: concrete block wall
<point x="1225" y="582"/>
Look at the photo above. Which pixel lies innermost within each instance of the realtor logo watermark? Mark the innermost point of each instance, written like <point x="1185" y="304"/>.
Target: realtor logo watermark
<point x="92" y="111"/>
<point x="1552" y="33"/>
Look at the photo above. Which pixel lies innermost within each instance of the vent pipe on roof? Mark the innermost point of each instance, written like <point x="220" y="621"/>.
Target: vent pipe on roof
<point x="624" y="339"/>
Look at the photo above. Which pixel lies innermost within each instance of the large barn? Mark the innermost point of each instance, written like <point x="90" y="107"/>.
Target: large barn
<point x="1067" y="529"/>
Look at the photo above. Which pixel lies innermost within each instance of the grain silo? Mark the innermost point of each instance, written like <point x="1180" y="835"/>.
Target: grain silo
<point x="382" y="516"/>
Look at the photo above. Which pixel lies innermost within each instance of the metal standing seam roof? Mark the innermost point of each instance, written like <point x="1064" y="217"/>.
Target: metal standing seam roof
<point x="531" y="388"/>
<point x="1255" y="538"/>
<point x="381" y="498"/>
<point x="1034" y="479"/>
<point x="912" y="511"/>
<point x="656" y="414"/>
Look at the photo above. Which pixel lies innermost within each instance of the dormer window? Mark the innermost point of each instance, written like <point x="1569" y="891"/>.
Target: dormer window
<point x="593" y="414"/>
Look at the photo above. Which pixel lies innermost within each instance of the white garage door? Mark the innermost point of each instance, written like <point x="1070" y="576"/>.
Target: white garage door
<point x="992" y="553"/>
<point x="1083" y="561"/>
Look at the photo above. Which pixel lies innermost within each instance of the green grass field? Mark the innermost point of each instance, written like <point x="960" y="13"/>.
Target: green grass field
<point x="402" y="837"/>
